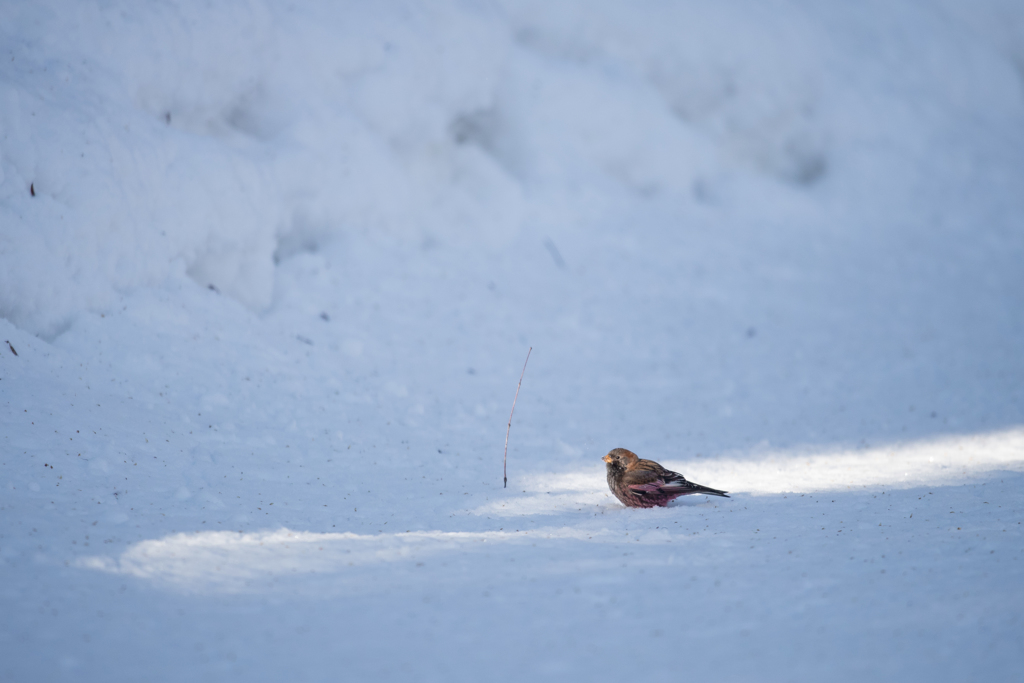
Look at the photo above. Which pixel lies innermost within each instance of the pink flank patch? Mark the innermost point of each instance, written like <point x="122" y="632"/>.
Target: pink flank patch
<point x="653" y="486"/>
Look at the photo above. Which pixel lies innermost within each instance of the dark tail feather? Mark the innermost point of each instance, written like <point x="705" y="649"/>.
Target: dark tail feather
<point x="707" y="491"/>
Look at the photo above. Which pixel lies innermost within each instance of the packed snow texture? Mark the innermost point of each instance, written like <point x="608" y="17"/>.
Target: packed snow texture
<point x="269" y="272"/>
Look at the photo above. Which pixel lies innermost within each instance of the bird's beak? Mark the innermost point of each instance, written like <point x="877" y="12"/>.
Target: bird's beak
<point x="607" y="459"/>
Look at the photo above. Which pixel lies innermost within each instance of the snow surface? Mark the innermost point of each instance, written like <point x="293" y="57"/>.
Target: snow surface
<point x="271" y="270"/>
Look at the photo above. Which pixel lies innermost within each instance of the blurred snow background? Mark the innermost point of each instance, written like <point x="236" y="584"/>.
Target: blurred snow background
<point x="775" y="245"/>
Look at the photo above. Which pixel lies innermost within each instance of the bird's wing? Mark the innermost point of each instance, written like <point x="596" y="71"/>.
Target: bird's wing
<point x="648" y="475"/>
<point x="642" y="479"/>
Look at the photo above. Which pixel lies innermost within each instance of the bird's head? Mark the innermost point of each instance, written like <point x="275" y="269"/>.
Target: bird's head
<point x="620" y="458"/>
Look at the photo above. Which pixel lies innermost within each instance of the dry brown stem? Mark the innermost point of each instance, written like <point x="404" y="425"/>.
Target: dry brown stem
<point x="504" y="459"/>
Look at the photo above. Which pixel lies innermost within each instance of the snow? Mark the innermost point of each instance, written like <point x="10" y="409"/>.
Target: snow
<point x="269" y="273"/>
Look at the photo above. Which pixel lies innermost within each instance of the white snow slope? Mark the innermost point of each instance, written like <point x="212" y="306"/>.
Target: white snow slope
<point x="271" y="271"/>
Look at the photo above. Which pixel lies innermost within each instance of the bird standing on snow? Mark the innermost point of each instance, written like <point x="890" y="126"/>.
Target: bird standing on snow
<point x="646" y="484"/>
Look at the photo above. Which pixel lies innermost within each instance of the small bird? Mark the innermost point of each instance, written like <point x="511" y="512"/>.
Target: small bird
<point x="646" y="484"/>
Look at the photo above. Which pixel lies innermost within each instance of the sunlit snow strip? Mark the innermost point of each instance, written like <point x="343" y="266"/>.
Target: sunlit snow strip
<point x="235" y="562"/>
<point x="923" y="463"/>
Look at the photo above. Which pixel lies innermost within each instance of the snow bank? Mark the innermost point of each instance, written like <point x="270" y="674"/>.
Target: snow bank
<point x="136" y="137"/>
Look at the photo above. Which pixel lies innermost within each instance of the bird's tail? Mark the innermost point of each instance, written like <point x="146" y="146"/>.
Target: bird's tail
<point x="708" y="491"/>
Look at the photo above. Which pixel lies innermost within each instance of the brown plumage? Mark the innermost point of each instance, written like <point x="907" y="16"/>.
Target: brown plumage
<point x="646" y="484"/>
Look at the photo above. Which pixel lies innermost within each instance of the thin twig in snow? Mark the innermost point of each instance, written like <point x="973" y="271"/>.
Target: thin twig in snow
<point x="504" y="460"/>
